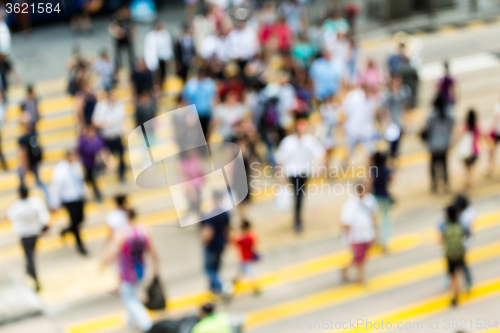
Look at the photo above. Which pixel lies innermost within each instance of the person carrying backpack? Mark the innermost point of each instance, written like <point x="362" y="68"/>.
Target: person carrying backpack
<point x="453" y="235"/>
<point x="31" y="154"/>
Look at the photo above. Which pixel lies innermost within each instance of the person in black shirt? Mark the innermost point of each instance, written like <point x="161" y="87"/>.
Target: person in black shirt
<point x="142" y="78"/>
<point x="5" y="72"/>
<point x="30" y="157"/>
<point x="214" y="235"/>
<point x="122" y="30"/>
<point x="184" y="52"/>
<point x="29" y="108"/>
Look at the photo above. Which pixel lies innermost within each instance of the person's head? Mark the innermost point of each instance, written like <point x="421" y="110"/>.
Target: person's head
<point x="451" y="214"/>
<point x="121" y="201"/>
<point x="159" y="26"/>
<point x="140" y="65"/>
<point x="359" y="189"/>
<point x="104" y="54"/>
<point x="245" y="226"/>
<point x="446" y="66"/>
<point x="301" y="126"/>
<point x="131" y="215"/>
<point x="70" y="155"/>
<point x="145" y="96"/>
<point x="379" y="159"/>
<point x="203" y="72"/>
<point x="284" y="77"/>
<point x="123" y="12"/>
<point x="231" y="97"/>
<point x="110" y="95"/>
<point x="402" y="49"/>
<point x="206" y="310"/>
<point x="218" y="197"/>
<point x="471" y="119"/>
<point x="440" y="106"/>
<point x="396" y="82"/>
<point x="23" y="192"/>
<point x="186" y="28"/>
<point x="281" y="19"/>
<point x="91" y="131"/>
<point x="327" y="55"/>
<point x="461" y="203"/>
<point x="30" y="92"/>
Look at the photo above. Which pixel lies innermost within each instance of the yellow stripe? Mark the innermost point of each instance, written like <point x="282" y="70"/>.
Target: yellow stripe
<point x="311" y="303"/>
<point x="429" y="307"/>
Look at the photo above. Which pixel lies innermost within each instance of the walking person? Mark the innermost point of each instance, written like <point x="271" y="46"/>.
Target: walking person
<point x="129" y="248"/>
<point x="453" y="236"/>
<point x="29" y="217"/>
<point x="359" y="220"/>
<point x="437" y="134"/>
<point x="298" y="154"/>
<point x="447" y="87"/>
<point x="91" y="146"/>
<point x="116" y="219"/>
<point x="3" y="116"/>
<point x="495" y="137"/>
<point x="109" y="116"/>
<point x="468" y="146"/>
<point x="105" y="67"/>
<point x="68" y="190"/>
<point x="246" y="244"/>
<point x="158" y="52"/>
<point x="30" y="154"/>
<point x="122" y="30"/>
<point x="214" y="236"/>
<point x="331" y="118"/>
<point x="381" y="177"/>
<point x="29" y="108"/>
<point x="185" y="52"/>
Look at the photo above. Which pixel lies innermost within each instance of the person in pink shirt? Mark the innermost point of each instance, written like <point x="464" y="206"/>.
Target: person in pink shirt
<point x="372" y="77"/>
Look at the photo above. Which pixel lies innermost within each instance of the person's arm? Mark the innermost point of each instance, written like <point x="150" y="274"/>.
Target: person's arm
<point x="207" y="234"/>
<point x="111" y="253"/>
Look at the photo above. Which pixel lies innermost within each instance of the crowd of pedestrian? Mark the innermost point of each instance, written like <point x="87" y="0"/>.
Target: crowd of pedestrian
<point x="256" y="73"/>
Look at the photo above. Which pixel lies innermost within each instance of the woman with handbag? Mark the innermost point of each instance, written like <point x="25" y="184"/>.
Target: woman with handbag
<point x="129" y="247"/>
<point x="468" y="146"/>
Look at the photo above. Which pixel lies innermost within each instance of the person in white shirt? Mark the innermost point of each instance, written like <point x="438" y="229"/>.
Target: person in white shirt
<point x="299" y="154"/>
<point x="360" y="108"/>
<point x="242" y="43"/>
<point x="284" y="91"/>
<point x="158" y="51"/>
<point x="109" y="115"/>
<point x="227" y="115"/>
<point x="359" y="219"/>
<point x="68" y="190"/>
<point x="116" y="219"/>
<point x="29" y="217"/>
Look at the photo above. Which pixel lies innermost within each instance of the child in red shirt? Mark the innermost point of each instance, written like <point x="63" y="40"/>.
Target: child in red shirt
<point x="245" y="243"/>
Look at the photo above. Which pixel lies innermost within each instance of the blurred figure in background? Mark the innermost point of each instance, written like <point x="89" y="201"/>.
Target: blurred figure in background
<point x="86" y="100"/>
<point x="331" y="118"/>
<point x="108" y="117"/>
<point x="246" y="244"/>
<point x="145" y="108"/>
<point x="395" y="60"/>
<point x="184" y="52"/>
<point x="437" y="133"/>
<point x="30" y="218"/>
<point x="30" y="156"/>
<point x="142" y="79"/>
<point x="158" y="52"/>
<point x="359" y="222"/>
<point x="410" y="79"/>
<point x="68" y="190"/>
<point x="381" y="177"/>
<point x="122" y="30"/>
<point x="214" y="236"/>
<point x="29" y="108"/>
<point x="325" y="76"/>
<point x="201" y="91"/>
<point x="298" y="154"/>
<point x="227" y="115"/>
<point x="3" y="118"/>
<point x="495" y="137"/>
<point x="105" y="67"/>
<point x="211" y="321"/>
<point x="129" y="247"/>
<point x="447" y="87"/>
<point x="453" y="236"/>
<point x="468" y="146"/>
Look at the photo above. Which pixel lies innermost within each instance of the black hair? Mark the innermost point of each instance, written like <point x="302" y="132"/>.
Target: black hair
<point x="471" y="119"/>
<point x="23" y="192"/>
<point x="451" y="214"/>
<point x="29" y="88"/>
<point x="446" y="66"/>
<point x="245" y="225"/>
<point x="120" y="199"/>
<point x="208" y="308"/>
<point x="131" y="214"/>
<point x="461" y="202"/>
<point x="379" y="159"/>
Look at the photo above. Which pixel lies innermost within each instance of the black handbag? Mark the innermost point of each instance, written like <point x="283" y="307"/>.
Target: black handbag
<point x="156" y="297"/>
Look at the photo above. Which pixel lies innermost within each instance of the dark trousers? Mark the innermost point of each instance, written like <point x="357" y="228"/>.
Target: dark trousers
<point x="299" y="190"/>
<point x="183" y="71"/>
<point x="119" y="46"/>
<point x="75" y="211"/>
<point x="439" y="163"/>
<point x="2" y="158"/>
<point x="212" y="267"/>
<point x="162" y="72"/>
<point x="90" y="173"/>
<point x="115" y="146"/>
<point x="205" y="123"/>
<point x="29" y="244"/>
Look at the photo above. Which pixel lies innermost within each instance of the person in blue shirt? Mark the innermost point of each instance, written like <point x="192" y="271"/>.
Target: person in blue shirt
<point x="201" y="92"/>
<point x="326" y="76"/>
